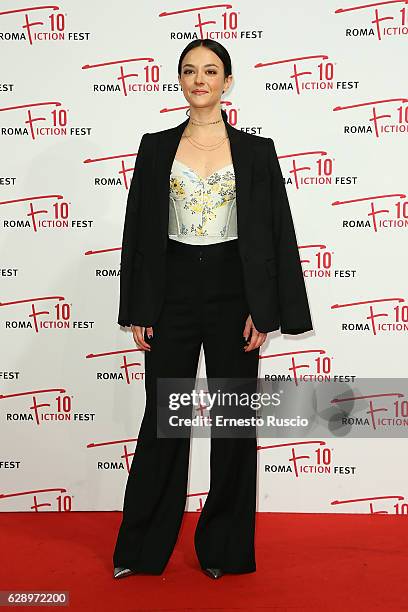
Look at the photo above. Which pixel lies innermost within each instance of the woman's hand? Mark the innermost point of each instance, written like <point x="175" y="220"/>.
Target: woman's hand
<point x="257" y="338"/>
<point x="138" y="333"/>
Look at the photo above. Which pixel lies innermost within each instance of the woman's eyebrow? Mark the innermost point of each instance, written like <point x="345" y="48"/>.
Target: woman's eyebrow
<point x="205" y="66"/>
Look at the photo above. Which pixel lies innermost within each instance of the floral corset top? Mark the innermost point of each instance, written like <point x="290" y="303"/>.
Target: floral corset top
<point x="202" y="210"/>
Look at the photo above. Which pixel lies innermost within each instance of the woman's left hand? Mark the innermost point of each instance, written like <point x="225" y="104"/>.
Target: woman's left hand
<point x="257" y="338"/>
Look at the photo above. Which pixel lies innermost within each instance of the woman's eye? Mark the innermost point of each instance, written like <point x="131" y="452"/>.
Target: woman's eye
<point x="211" y="71"/>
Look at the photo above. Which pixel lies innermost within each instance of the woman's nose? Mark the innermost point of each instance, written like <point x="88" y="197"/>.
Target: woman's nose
<point x="199" y="78"/>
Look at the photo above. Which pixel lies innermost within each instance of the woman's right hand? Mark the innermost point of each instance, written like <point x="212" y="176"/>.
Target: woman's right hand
<point x="138" y="333"/>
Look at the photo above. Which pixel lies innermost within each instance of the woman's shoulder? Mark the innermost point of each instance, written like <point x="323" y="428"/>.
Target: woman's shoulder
<point x="260" y="143"/>
<point x="159" y="133"/>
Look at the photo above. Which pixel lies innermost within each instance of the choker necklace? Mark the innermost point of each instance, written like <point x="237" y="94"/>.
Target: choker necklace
<point x="202" y="123"/>
<point x="195" y="122"/>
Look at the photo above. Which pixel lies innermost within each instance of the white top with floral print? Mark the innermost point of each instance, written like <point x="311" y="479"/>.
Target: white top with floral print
<point x="202" y="210"/>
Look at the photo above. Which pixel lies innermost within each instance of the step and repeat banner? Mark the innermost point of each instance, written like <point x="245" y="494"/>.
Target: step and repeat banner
<point x="80" y="83"/>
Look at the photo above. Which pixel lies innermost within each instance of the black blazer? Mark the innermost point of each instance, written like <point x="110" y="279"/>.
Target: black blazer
<point x="274" y="283"/>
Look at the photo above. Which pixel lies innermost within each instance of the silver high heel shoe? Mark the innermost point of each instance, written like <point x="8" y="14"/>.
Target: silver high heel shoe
<point x="213" y="572"/>
<point x="122" y="572"/>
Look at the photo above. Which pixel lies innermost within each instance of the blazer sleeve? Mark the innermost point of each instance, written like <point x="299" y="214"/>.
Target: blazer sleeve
<point x="294" y="309"/>
<point x="128" y="241"/>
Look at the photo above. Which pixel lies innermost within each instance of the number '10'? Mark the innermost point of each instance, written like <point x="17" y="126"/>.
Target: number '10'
<point x="57" y="21"/>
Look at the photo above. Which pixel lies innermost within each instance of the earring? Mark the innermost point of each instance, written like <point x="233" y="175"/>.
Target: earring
<point x="188" y="112"/>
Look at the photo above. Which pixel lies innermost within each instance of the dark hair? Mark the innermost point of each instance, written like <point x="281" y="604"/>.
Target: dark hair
<point x="213" y="45"/>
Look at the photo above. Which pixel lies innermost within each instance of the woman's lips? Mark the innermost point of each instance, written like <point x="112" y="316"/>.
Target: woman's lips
<point x="199" y="93"/>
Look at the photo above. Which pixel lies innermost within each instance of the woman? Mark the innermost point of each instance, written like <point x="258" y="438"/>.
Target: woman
<point x="209" y="257"/>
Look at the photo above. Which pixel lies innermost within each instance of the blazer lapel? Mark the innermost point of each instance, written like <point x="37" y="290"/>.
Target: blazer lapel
<point x="241" y="153"/>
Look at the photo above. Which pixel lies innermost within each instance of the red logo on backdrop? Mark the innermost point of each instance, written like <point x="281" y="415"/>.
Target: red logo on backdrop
<point x="123" y="169"/>
<point x="53" y="121"/>
<point x="318" y="169"/>
<point x="384" y="314"/>
<point x="59" y="318"/>
<point x="392" y="122"/>
<point x="306" y="365"/>
<point x="383" y="410"/>
<point x="129" y="370"/>
<point x="58" y="408"/>
<point x="317" y="262"/>
<point x="39" y="23"/>
<point x="319" y="78"/>
<point x="123" y="448"/>
<point x="60" y="211"/>
<point x="147" y="76"/>
<point x="385" y="211"/>
<point x="379" y="19"/>
<point x="62" y="311"/>
<point x="397" y="508"/>
<point x="35" y="497"/>
<point x="307" y="457"/>
<point x="212" y="21"/>
<point x="313" y="168"/>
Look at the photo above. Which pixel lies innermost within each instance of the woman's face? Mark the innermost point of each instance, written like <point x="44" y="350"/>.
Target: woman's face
<point x="202" y="78"/>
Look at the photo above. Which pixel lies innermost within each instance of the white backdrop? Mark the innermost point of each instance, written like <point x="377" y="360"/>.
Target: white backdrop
<point x="330" y="87"/>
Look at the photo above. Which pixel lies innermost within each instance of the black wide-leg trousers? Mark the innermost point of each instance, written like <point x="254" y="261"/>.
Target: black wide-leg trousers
<point x="205" y="304"/>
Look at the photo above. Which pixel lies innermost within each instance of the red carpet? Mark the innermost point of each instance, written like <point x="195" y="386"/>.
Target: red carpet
<point x="304" y="562"/>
